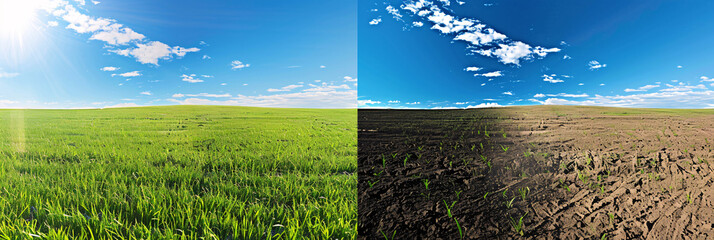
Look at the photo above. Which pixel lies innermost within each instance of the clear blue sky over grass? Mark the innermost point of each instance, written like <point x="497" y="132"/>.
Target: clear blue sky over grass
<point x="76" y="53"/>
<point x="606" y="53"/>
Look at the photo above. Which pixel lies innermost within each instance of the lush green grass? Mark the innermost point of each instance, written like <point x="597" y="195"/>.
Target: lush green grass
<point x="179" y="172"/>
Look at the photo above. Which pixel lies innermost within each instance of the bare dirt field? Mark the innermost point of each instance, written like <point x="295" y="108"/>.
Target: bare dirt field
<point x="537" y="172"/>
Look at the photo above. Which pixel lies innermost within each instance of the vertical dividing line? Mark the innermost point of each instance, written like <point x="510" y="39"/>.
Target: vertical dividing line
<point x="17" y="129"/>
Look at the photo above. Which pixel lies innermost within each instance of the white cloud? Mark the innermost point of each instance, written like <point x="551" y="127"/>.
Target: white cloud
<point x="593" y="65"/>
<point x="367" y="102"/>
<point x="116" y="35"/>
<point x="393" y="101"/>
<point x="485" y="105"/>
<point x="350" y="79"/>
<point x="375" y="21"/>
<point x="52" y="23"/>
<point x="206" y="57"/>
<point x="482" y="39"/>
<point x="206" y="76"/>
<point x="490" y="74"/>
<point x="112" y="33"/>
<point x="417" y="24"/>
<point x="507" y="93"/>
<point x="473" y="69"/>
<point x="551" y="78"/>
<point x="706" y="79"/>
<point x="680" y="96"/>
<point x="109" y="69"/>
<point x="151" y="52"/>
<point x="395" y="13"/>
<point x="4" y="74"/>
<point x="147" y="93"/>
<point x="235" y="64"/>
<point x="567" y="57"/>
<point x="680" y="66"/>
<point x="129" y="74"/>
<point x="190" y="78"/>
<point x="95" y="2"/>
<point x="285" y="89"/>
<point x="642" y="89"/>
<point x="322" y="66"/>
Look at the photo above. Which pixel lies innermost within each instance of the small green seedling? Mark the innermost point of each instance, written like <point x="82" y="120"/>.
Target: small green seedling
<point x="524" y="192"/>
<point x="509" y="204"/>
<point x="518" y="225"/>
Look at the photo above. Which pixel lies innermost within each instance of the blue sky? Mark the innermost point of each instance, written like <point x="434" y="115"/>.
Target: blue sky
<point x="93" y="54"/>
<point x="460" y="54"/>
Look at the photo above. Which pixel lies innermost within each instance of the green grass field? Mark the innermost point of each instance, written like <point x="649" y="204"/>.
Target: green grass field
<point x="178" y="172"/>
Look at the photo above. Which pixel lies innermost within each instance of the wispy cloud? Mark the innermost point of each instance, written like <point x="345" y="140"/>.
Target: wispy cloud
<point x="673" y="96"/>
<point x="642" y="89"/>
<point x="4" y="74"/>
<point x="285" y="89"/>
<point x="109" y="69"/>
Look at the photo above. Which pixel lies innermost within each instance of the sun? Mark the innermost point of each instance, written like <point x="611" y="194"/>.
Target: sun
<point x="17" y="16"/>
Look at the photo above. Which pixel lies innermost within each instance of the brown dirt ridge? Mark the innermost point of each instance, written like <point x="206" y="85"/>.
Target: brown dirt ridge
<point x="536" y="172"/>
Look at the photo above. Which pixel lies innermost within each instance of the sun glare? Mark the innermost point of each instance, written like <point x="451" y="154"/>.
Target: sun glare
<point x="16" y="16"/>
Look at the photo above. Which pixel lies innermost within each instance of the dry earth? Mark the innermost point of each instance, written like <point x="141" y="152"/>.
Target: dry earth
<point x="569" y="172"/>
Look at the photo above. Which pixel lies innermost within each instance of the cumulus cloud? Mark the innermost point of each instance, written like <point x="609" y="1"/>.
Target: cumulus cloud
<point x="375" y="21"/>
<point x="129" y="74"/>
<point x="417" y="24"/>
<point x="473" y="69"/>
<point x="508" y="93"/>
<point x="485" y="105"/>
<point x="113" y="34"/>
<point x="551" y="78"/>
<point x="481" y="38"/>
<point x="191" y="78"/>
<point x="235" y="64"/>
<point x="490" y="74"/>
<point x="594" y="65"/>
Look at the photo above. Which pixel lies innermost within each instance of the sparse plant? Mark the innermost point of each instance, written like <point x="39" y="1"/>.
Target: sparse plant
<point x="518" y="225"/>
<point x="504" y="148"/>
<point x="523" y="192"/>
<point x="385" y="235"/>
<point x="448" y="207"/>
<point x="509" y="204"/>
<point x="371" y="184"/>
